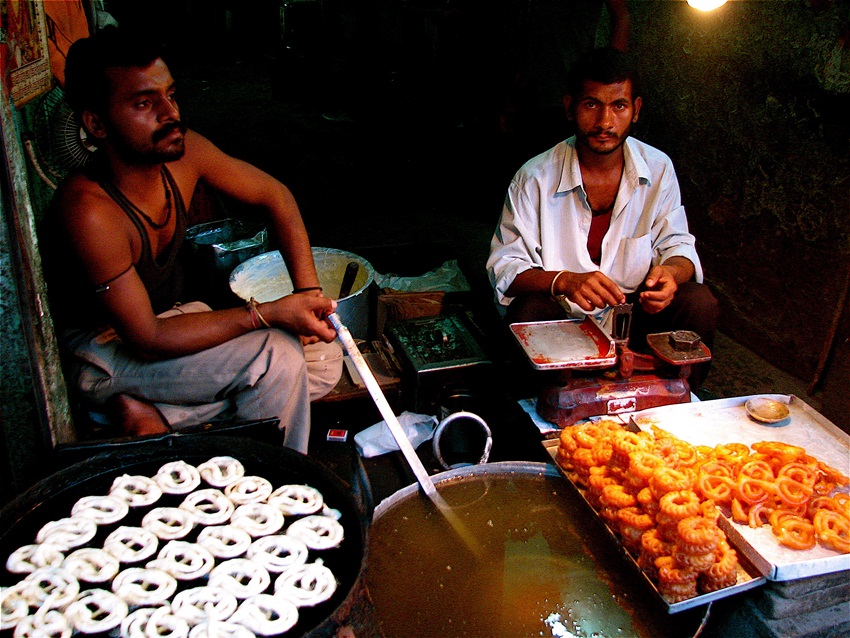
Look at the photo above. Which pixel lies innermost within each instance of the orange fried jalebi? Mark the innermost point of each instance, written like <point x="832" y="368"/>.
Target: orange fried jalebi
<point x="792" y="530"/>
<point x="792" y="492"/>
<point x="833" y="529"/>
<point x="680" y="504"/>
<point x="661" y="495"/>
<point x="717" y="488"/>
<point x="752" y="490"/>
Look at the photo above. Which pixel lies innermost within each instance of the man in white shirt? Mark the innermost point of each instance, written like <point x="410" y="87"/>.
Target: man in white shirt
<point x="598" y="221"/>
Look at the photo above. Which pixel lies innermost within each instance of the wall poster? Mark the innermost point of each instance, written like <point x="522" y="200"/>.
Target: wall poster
<point x="24" y="60"/>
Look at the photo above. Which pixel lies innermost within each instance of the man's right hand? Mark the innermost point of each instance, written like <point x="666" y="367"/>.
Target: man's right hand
<point x="589" y="290"/>
<point x="303" y="315"/>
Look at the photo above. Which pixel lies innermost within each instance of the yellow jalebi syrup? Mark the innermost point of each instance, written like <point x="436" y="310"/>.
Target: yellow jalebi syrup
<point x="661" y="495"/>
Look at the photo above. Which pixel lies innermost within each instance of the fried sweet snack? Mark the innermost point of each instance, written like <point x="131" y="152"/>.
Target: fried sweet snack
<point x="634" y="477"/>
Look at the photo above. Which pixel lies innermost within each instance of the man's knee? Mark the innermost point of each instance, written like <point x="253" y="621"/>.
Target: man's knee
<point x="698" y="310"/>
<point x="700" y="298"/>
<point x="324" y="367"/>
<point x="282" y="353"/>
<point x="534" y="307"/>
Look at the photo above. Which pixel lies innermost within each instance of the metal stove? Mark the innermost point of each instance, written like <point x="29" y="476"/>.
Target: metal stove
<point x="436" y="353"/>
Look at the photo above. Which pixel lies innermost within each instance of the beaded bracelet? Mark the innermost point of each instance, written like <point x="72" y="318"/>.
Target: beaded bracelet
<point x="307" y="289"/>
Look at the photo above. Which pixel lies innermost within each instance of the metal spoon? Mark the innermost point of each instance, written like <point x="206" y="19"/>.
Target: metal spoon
<point x="400" y="437"/>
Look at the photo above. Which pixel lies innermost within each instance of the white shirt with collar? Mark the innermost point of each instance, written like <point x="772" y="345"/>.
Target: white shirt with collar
<point x="546" y="220"/>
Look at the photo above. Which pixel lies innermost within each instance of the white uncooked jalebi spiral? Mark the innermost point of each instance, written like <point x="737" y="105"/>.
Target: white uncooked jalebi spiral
<point x="92" y="565"/>
<point x="177" y="477"/>
<point x="144" y="587"/>
<point x="241" y="577"/>
<point x="54" y="587"/>
<point x="200" y="604"/>
<point x="258" y="519"/>
<point x="221" y="471"/>
<point x="102" y="509"/>
<point x="248" y="489"/>
<point x="28" y="558"/>
<point x="267" y="615"/>
<point x="45" y="623"/>
<point x="225" y="541"/>
<point x="169" y="523"/>
<point x="278" y="553"/>
<point x="307" y="585"/>
<point x="131" y="544"/>
<point x="164" y="624"/>
<point x="185" y="561"/>
<point x="210" y="506"/>
<point x="296" y="500"/>
<point x="96" y="611"/>
<point x="67" y="533"/>
<point x="136" y="491"/>
<point x="133" y="626"/>
<point x="317" y="532"/>
<point x="14" y="605"/>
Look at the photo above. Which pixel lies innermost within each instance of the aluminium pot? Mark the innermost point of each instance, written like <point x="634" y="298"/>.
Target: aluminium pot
<point x="539" y="564"/>
<point x="265" y="278"/>
<point x="53" y="497"/>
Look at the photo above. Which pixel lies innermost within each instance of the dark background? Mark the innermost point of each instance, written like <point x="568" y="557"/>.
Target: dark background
<point x="383" y="117"/>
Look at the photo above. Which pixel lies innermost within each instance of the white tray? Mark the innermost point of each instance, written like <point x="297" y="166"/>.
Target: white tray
<point x="726" y="421"/>
<point x="565" y="344"/>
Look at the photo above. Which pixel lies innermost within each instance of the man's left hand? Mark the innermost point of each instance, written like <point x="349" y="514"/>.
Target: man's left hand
<point x="660" y="287"/>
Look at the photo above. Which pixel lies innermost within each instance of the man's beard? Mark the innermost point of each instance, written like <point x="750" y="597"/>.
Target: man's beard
<point x="584" y="140"/>
<point x="153" y="155"/>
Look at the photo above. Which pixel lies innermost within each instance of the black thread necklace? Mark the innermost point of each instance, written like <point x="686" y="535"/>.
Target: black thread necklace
<point x="168" y="204"/>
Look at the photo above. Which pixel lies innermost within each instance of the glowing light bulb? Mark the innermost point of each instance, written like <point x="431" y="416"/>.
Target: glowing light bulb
<point x="706" y="5"/>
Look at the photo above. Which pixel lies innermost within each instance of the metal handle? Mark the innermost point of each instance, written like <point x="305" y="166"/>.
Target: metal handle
<point x="348" y="279"/>
<point x="469" y="416"/>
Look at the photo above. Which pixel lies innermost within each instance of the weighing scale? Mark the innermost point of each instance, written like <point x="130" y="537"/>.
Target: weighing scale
<point x="628" y="381"/>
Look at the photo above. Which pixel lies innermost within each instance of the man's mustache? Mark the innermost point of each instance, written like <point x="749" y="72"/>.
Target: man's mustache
<point x="167" y="130"/>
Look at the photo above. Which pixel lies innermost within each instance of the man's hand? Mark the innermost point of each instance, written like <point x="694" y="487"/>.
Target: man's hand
<point x="660" y="287"/>
<point x="302" y="314"/>
<point x="589" y="290"/>
<point x="663" y="281"/>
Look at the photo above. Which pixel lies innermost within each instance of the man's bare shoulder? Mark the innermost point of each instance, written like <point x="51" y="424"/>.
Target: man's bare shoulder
<point x="199" y="156"/>
<point x="78" y="191"/>
<point x="197" y="149"/>
<point x="82" y="203"/>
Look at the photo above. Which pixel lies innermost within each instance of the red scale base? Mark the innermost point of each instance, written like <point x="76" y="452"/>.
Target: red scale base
<point x="584" y="398"/>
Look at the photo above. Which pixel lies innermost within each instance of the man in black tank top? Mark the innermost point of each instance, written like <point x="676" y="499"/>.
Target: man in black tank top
<point x="112" y="236"/>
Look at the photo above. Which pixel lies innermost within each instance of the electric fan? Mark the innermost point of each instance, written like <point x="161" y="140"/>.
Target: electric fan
<point x="58" y="143"/>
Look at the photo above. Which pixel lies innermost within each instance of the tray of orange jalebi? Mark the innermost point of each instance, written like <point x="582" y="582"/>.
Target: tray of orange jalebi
<point x="782" y="488"/>
<point x="665" y="531"/>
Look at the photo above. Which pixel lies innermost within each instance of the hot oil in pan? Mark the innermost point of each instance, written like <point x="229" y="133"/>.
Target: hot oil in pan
<point x="545" y="570"/>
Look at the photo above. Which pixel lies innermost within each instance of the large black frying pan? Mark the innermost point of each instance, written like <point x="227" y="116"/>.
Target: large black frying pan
<point x="53" y="497"/>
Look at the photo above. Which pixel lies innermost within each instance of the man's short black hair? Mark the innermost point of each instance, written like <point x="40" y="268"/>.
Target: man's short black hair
<point x="606" y="66"/>
<point x="86" y="83"/>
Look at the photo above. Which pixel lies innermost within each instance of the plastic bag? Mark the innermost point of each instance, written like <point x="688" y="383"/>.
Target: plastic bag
<point x="446" y="278"/>
<point x="378" y="439"/>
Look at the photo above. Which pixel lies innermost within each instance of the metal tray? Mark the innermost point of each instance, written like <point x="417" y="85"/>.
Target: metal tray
<point x="748" y="576"/>
<point x="726" y="421"/>
<point x="565" y="344"/>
